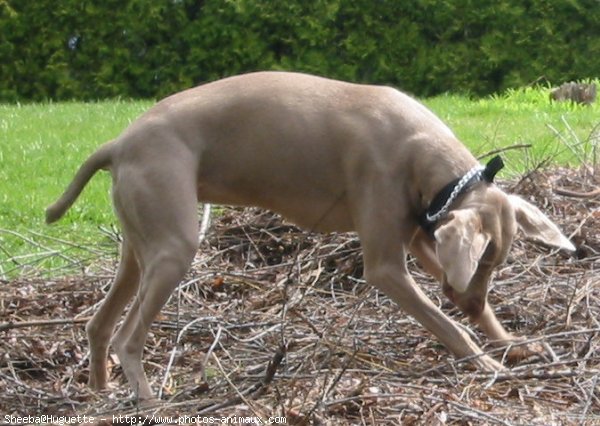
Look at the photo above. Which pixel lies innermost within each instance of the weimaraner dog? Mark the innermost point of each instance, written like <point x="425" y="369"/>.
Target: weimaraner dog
<point x="326" y="154"/>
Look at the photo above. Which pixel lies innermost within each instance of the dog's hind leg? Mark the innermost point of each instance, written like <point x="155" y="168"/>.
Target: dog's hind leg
<point x="101" y="326"/>
<point x="160" y="212"/>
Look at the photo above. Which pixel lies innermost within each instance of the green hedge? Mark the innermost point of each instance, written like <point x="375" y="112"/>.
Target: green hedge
<point x="89" y="49"/>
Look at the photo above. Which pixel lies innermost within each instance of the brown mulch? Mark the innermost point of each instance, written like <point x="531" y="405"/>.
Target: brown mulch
<point x="273" y="321"/>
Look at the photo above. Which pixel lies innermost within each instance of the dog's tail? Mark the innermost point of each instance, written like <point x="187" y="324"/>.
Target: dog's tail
<point x="100" y="159"/>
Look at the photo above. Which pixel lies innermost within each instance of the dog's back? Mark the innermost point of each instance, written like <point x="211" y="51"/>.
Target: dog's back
<point x="278" y="139"/>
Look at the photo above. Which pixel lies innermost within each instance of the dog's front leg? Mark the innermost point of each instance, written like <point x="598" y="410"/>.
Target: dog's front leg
<point x="395" y="281"/>
<point x="385" y="268"/>
<point x="473" y="302"/>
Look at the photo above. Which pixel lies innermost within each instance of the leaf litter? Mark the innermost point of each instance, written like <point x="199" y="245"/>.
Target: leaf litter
<point x="275" y="321"/>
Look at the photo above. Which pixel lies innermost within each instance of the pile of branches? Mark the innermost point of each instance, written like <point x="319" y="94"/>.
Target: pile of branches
<point x="274" y="321"/>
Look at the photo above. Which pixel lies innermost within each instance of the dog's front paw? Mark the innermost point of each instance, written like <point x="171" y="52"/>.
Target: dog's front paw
<point x="518" y="352"/>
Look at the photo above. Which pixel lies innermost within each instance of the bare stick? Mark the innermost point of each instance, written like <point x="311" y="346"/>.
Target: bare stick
<point x="589" y="399"/>
<point x="504" y="149"/>
<point x="209" y="352"/>
<point x="205" y="223"/>
<point x="568" y="193"/>
<point x="269" y="375"/>
<point x="174" y="352"/>
<point x="42" y="323"/>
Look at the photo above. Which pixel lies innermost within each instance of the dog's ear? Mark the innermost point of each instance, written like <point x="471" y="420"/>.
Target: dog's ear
<point x="537" y="226"/>
<point x="459" y="246"/>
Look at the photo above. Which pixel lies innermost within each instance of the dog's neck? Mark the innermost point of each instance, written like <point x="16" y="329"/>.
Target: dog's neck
<point x="431" y="182"/>
<point x="446" y="198"/>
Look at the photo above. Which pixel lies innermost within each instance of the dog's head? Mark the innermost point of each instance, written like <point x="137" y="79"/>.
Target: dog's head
<point x="476" y="236"/>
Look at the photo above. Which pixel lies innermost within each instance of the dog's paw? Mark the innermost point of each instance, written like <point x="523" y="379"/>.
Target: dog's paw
<point x="520" y="352"/>
<point x="98" y="382"/>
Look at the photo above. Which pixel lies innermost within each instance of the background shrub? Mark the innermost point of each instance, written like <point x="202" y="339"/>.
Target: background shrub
<point x="86" y="49"/>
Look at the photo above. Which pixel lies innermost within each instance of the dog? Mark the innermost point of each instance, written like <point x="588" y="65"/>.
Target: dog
<point x="329" y="156"/>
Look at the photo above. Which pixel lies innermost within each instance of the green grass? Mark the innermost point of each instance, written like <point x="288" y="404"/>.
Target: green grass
<point x="558" y="132"/>
<point x="41" y="146"/>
